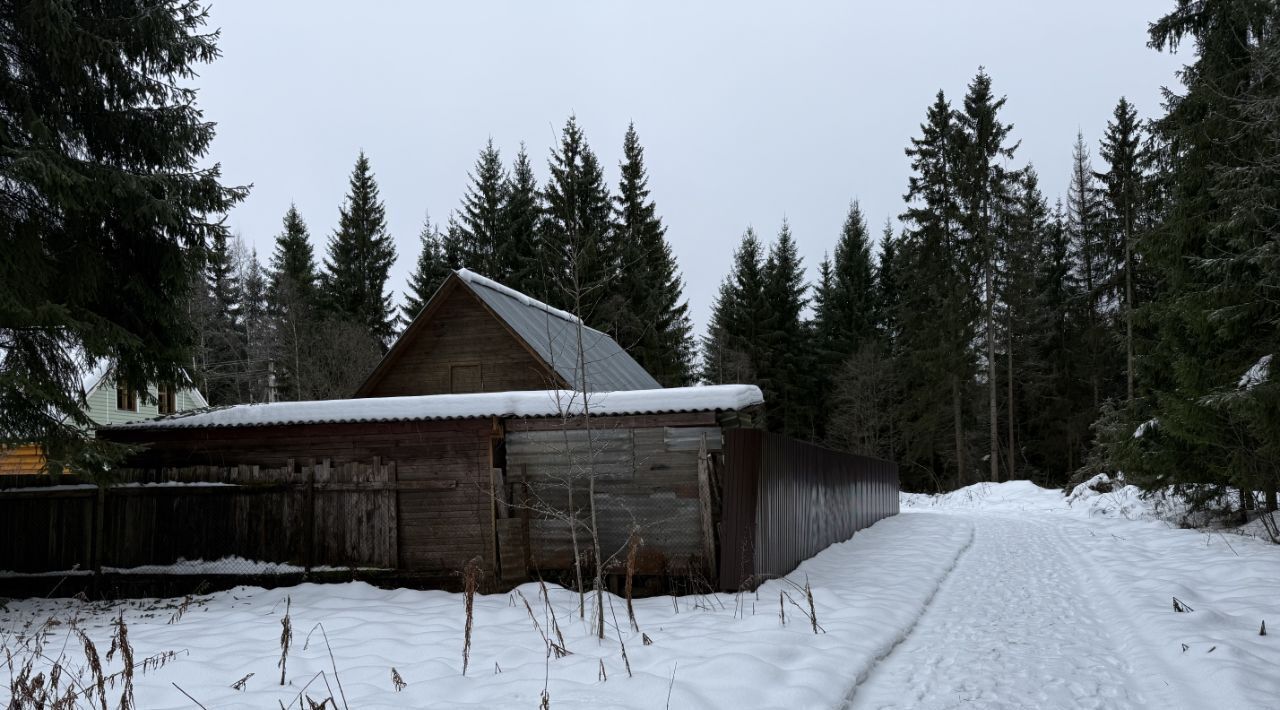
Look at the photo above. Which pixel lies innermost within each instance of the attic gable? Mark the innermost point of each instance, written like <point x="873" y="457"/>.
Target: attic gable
<point x="431" y="357"/>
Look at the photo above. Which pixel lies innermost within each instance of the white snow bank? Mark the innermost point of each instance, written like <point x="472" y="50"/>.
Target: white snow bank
<point x="707" y="651"/>
<point x="1257" y="374"/>
<point x="1010" y="495"/>
<point x="232" y="564"/>
<point x="536" y="403"/>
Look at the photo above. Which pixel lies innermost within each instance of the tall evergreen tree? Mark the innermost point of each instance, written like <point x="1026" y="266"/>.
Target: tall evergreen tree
<point x="848" y="314"/>
<point x="292" y="301"/>
<point x="482" y="218"/>
<point x="360" y="256"/>
<point x="652" y="319"/>
<point x="785" y="365"/>
<point x="220" y="361"/>
<point x="1085" y="227"/>
<point x="431" y="271"/>
<point x="105" y="207"/>
<point x="520" y="249"/>
<point x="984" y="190"/>
<point x="936" y="314"/>
<point x="732" y="349"/>
<point x="1124" y="190"/>
<point x="293" y="260"/>
<point x="580" y="254"/>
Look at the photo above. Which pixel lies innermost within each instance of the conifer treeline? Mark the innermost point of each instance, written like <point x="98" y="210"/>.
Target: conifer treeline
<point x="301" y="331"/>
<point x="984" y="340"/>
<point x="1128" y="328"/>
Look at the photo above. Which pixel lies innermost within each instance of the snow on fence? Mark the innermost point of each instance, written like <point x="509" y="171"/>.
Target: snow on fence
<point x="786" y="500"/>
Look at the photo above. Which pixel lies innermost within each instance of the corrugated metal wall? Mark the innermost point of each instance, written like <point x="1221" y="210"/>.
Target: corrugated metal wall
<point x="786" y="500"/>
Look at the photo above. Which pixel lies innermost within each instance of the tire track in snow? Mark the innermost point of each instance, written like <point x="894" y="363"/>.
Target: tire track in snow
<point x="1010" y="627"/>
<point x="906" y="633"/>
<point x="1160" y="680"/>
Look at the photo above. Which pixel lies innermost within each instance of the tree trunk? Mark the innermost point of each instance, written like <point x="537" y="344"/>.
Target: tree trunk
<point x="991" y="374"/>
<point x="1271" y="498"/>
<point x="959" y="430"/>
<point x="1128" y="306"/>
<point x="1010" y="467"/>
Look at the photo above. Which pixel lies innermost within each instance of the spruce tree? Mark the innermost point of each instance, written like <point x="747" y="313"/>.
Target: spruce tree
<point x="844" y="319"/>
<point x="983" y="190"/>
<point x="519" y="249"/>
<point x="107" y="207"/>
<point x="482" y="226"/>
<point x="293" y="260"/>
<point x="732" y="350"/>
<point x="220" y="364"/>
<point x="1124" y="189"/>
<point x="581" y="258"/>
<point x="1085" y="227"/>
<point x="431" y="271"/>
<point x="256" y="332"/>
<point x="292" y="302"/>
<point x="888" y="286"/>
<point x="848" y="317"/>
<point x="937" y="312"/>
<point x="652" y="320"/>
<point x="786" y="362"/>
<point x="361" y="253"/>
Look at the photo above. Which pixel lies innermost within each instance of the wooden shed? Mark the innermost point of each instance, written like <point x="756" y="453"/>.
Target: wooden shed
<point x="475" y="437"/>
<point x="421" y="484"/>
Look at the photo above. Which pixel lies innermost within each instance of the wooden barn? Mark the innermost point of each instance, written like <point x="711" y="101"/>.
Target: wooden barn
<point x="474" y="437"/>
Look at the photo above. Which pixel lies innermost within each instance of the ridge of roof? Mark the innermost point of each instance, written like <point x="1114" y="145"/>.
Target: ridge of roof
<point x="475" y="279"/>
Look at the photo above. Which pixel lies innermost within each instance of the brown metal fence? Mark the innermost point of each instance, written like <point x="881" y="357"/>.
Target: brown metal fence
<point x="785" y="500"/>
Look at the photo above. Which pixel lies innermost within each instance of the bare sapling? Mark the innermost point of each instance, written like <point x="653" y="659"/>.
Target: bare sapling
<point x="555" y="623"/>
<point x="286" y="638"/>
<point x="470" y="580"/>
<point x="626" y="662"/>
<point x="633" y="549"/>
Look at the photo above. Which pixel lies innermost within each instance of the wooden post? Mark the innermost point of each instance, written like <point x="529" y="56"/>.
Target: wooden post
<point x="99" y="515"/>
<point x="309" y="515"/>
<point x="704" y="500"/>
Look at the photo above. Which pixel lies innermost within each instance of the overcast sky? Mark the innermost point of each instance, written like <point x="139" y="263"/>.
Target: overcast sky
<point x="748" y="112"/>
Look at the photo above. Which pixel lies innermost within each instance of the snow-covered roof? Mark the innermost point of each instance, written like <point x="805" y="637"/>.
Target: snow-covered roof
<point x="535" y="403"/>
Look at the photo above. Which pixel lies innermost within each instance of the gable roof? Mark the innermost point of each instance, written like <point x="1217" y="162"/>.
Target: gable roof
<point x="550" y="334"/>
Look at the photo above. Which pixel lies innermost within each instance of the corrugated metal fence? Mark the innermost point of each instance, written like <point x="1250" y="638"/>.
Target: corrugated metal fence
<point x="786" y="500"/>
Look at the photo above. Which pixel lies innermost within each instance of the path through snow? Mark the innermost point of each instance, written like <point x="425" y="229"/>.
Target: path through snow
<point x="1011" y="627"/>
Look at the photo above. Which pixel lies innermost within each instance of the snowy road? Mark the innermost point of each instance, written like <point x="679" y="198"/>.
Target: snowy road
<point x="1018" y="623"/>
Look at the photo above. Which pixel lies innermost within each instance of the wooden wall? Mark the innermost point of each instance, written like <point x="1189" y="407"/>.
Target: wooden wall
<point x="647" y="479"/>
<point x="443" y="504"/>
<point x="458" y="347"/>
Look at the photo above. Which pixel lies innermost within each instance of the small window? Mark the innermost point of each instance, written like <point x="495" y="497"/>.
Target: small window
<point x="126" y="399"/>
<point x="166" y="399"/>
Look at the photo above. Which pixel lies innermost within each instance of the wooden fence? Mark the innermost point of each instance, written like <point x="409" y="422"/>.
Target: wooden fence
<point x="293" y="518"/>
<point x="786" y="500"/>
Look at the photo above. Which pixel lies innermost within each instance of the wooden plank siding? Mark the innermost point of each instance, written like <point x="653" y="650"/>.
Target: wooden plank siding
<point x="442" y="510"/>
<point x="460" y="347"/>
<point x="646" y="480"/>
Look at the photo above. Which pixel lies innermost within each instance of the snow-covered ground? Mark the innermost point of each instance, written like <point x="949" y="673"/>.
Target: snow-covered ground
<point x="1004" y="596"/>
